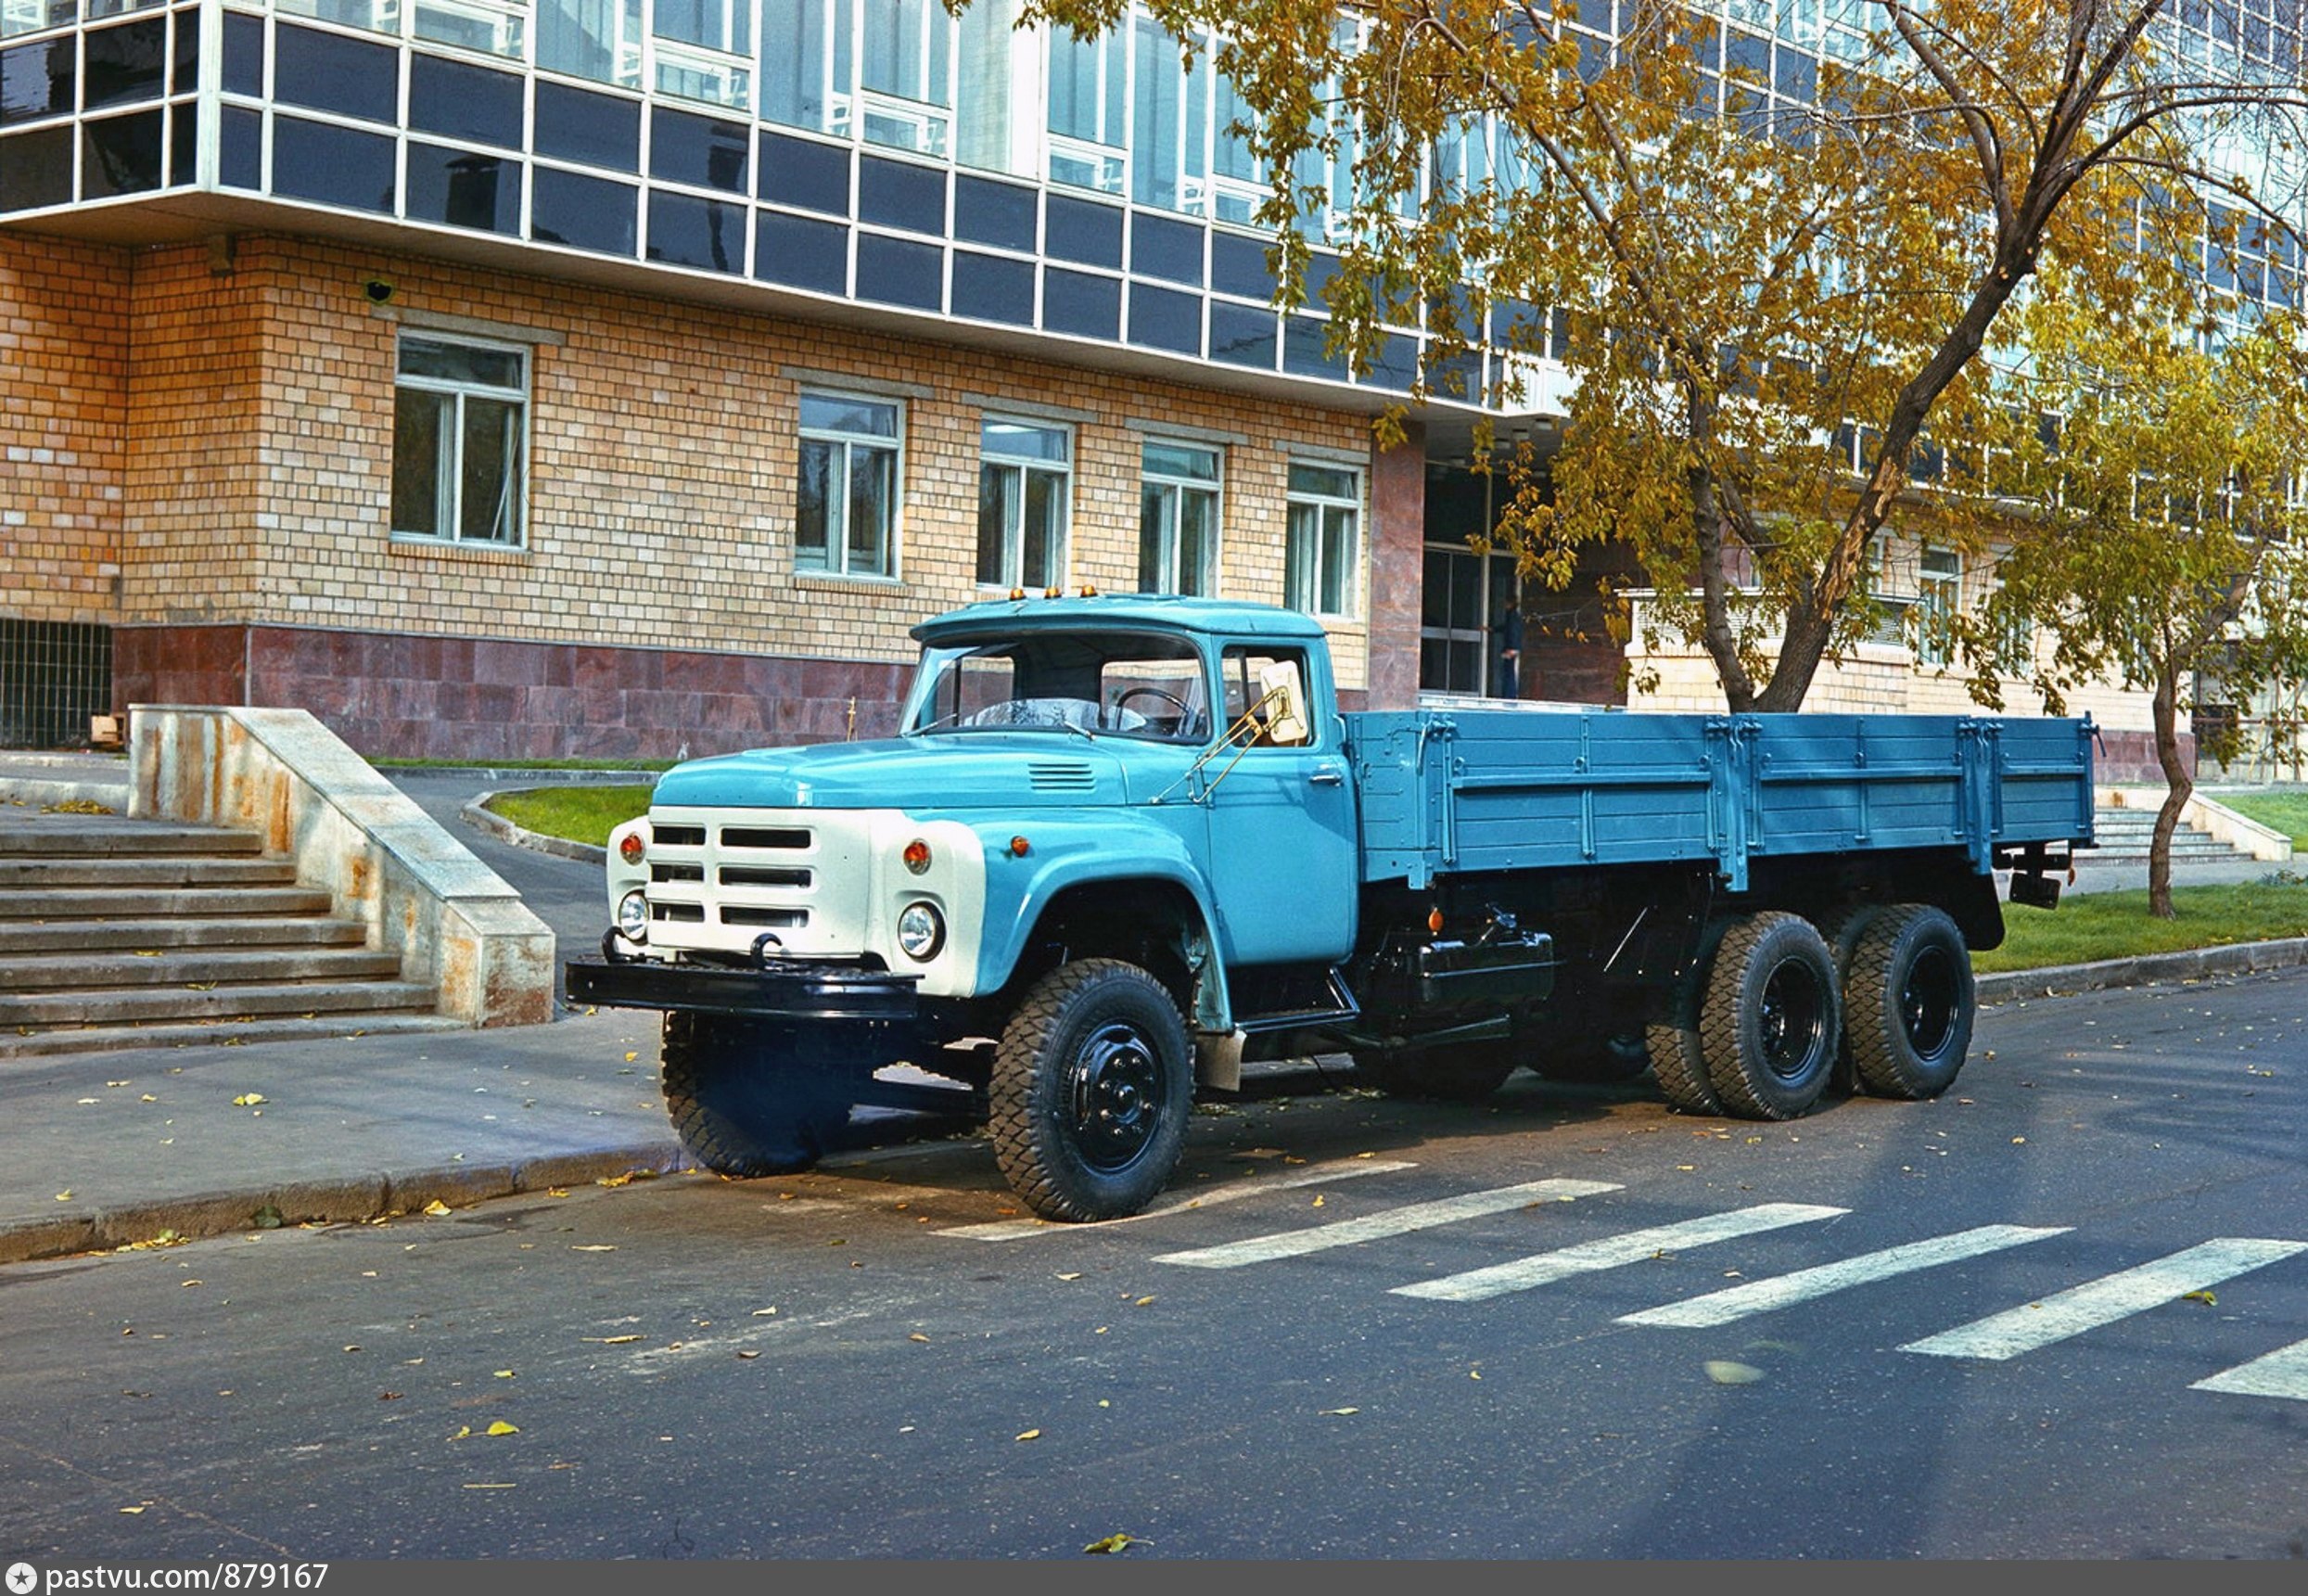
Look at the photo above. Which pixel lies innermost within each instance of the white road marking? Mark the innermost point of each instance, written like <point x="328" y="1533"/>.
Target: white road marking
<point x="1522" y="1273"/>
<point x="2280" y="1374"/>
<point x="1389" y="1222"/>
<point x="1782" y="1291"/>
<point x="1209" y="1197"/>
<point x="2105" y="1300"/>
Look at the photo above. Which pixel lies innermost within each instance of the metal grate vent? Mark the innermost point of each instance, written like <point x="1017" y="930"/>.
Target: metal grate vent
<point x="54" y="676"/>
<point x="1061" y="778"/>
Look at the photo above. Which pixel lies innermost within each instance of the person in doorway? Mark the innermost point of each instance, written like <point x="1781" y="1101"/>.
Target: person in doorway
<point x="1507" y="650"/>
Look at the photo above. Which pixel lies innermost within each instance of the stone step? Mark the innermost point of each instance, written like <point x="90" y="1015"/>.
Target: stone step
<point x="218" y="932"/>
<point x="141" y="872"/>
<point x="219" y="1001"/>
<point x="74" y="967"/>
<point x="102" y="1039"/>
<point x="48" y="835"/>
<point x="96" y="903"/>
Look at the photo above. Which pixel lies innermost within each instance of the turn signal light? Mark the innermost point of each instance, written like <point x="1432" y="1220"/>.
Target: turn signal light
<point x="631" y="849"/>
<point x="1018" y="846"/>
<point x="917" y="856"/>
<point x="1435" y="920"/>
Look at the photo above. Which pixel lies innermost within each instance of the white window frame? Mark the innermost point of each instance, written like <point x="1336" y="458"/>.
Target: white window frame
<point x="449" y="488"/>
<point x="835" y="562"/>
<point x="1939" y="599"/>
<point x="1304" y="567"/>
<point x="991" y="458"/>
<point x="1179" y="486"/>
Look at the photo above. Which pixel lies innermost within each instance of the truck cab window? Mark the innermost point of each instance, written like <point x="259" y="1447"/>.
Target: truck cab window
<point x="1270" y="685"/>
<point x="1146" y="688"/>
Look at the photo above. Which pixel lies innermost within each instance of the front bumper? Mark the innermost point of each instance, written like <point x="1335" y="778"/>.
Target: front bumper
<point x="792" y="990"/>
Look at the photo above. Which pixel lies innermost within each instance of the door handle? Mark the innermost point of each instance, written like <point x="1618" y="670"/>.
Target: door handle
<point x="1326" y="777"/>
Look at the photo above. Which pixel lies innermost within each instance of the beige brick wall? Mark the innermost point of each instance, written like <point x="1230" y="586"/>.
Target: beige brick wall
<point x="64" y="341"/>
<point x="663" y="462"/>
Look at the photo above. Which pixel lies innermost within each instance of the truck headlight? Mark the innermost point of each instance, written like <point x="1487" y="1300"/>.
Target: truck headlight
<point x="921" y="932"/>
<point x="633" y="918"/>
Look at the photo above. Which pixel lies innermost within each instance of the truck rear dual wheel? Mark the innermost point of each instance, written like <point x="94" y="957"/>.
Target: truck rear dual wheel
<point x="745" y="1102"/>
<point x="1770" y="1022"/>
<point x="1908" y="1001"/>
<point x="1090" y="1093"/>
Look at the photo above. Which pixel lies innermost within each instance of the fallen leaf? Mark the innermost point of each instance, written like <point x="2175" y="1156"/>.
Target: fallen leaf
<point x="132" y="1509"/>
<point x="1142" y="1302"/>
<point x="436" y="1207"/>
<point x="493" y="1485"/>
<point x="1339" y="1412"/>
<point x="1722" y="1372"/>
<point x="250" y="1100"/>
<point x="1075" y="1275"/>
<point x="917" y="1336"/>
<point x="65" y="1195"/>
<point x="463" y="1431"/>
<point x="505" y="1374"/>
<point x="501" y="1429"/>
<point x="763" y="1313"/>
<point x="2203" y="1296"/>
<point x="1111" y="1544"/>
<point x="595" y="1247"/>
<point x="749" y="1355"/>
<point x="1030" y="1435"/>
<point x="630" y="1056"/>
<point x="1316" y="1203"/>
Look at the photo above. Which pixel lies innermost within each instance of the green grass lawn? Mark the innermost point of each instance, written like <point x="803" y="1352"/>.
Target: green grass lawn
<point x="577" y="813"/>
<point x="2287" y="813"/>
<point x="2089" y="926"/>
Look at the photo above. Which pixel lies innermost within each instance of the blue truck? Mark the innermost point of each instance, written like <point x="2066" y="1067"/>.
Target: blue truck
<point x="1124" y="844"/>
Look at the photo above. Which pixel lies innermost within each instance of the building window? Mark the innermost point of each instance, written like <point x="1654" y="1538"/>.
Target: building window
<point x="846" y="518"/>
<point x="1463" y="597"/>
<point x="1178" y="521"/>
<point x="1321" y="545"/>
<point x="1939" y="580"/>
<point x="1024" y="486"/>
<point x="460" y="450"/>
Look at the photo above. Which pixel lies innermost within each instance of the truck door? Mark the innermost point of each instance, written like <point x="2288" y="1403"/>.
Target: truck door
<point x="1283" y="864"/>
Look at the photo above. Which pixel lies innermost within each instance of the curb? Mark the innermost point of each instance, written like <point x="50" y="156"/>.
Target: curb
<point x="2144" y="969"/>
<point x="478" y="815"/>
<point x="632" y="778"/>
<point x="351" y="1200"/>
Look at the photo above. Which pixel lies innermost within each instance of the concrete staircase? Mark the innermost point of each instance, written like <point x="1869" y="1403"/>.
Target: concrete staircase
<point x="2124" y="833"/>
<point x="134" y="932"/>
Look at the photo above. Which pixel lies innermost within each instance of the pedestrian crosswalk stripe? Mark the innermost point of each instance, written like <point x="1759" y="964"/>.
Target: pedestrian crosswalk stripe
<point x="1782" y="1291"/>
<point x="1210" y="1197"/>
<point x="1389" y="1222"/>
<point x="1522" y="1273"/>
<point x="2103" y="1301"/>
<point x="2281" y="1374"/>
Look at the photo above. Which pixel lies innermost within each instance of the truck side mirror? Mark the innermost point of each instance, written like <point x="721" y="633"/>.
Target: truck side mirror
<point x="1285" y="694"/>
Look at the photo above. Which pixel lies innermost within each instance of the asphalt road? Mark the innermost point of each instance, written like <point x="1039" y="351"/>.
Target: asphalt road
<point x="838" y="1365"/>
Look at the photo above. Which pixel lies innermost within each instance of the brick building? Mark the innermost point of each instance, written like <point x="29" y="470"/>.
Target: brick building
<point x="501" y="379"/>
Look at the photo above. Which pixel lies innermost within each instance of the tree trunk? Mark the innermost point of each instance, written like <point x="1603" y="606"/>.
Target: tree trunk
<point x="2179" y="787"/>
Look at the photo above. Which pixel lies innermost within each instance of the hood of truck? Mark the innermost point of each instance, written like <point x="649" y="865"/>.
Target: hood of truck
<point x="970" y="770"/>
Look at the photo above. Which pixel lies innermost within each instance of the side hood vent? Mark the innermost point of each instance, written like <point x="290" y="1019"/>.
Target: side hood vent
<point x="1052" y="776"/>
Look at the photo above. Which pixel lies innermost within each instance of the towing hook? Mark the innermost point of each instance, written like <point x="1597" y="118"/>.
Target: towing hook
<point x="761" y="946"/>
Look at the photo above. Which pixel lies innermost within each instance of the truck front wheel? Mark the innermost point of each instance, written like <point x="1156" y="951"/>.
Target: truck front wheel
<point x="1909" y="1002"/>
<point x="1770" y="1024"/>
<point x="1090" y="1092"/>
<point x="747" y="1101"/>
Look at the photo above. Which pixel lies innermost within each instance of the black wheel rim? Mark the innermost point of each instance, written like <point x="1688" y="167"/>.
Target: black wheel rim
<point x="1929" y="999"/>
<point x="1792" y="1020"/>
<point x="1114" y="1097"/>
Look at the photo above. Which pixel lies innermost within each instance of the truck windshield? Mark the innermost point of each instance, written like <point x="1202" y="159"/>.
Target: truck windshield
<point x="1091" y="684"/>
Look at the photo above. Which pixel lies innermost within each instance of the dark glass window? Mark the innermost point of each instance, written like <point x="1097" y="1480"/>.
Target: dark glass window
<point x="1242" y="336"/>
<point x="685" y="230"/>
<point x="993" y="288"/>
<point x="121" y="154"/>
<point x="127" y="63"/>
<point x="1167" y="248"/>
<point x="899" y="194"/>
<point x="36" y="167"/>
<point x="457" y="100"/>
<point x="240" y="148"/>
<point x="463" y="188"/>
<point x="1079" y="304"/>
<point x="1394" y="363"/>
<point x="584" y="212"/>
<point x="184" y="77"/>
<point x="989" y="212"/>
<point x="1302" y="353"/>
<point x="805" y="173"/>
<point x="892" y="272"/>
<point x="183" y="145"/>
<point x="1458" y="375"/>
<point x="598" y="130"/>
<point x="1238" y="266"/>
<point x="1083" y="230"/>
<point x="805" y="254"/>
<point x="1320" y="268"/>
<point x="330" y="72"/>
<point x="1163" y="319"/>
<point x="314" y="161"/>
<point x="244" y="54"/>
<point x="684" y="148"/>
<point x="37" y="81"/>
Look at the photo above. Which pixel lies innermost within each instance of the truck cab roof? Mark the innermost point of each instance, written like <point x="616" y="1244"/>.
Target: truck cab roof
<point x="1216" y="617"/>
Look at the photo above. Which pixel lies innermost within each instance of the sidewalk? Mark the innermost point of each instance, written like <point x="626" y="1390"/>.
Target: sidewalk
<point x="115" y="1149"/>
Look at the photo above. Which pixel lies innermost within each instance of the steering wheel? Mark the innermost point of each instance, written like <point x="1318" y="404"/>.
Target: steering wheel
<point x="1185" y="710"/>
